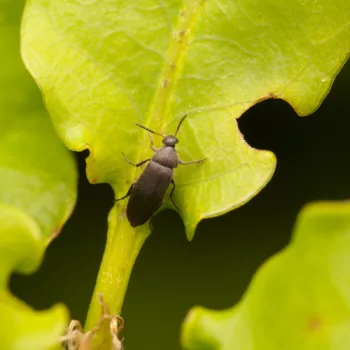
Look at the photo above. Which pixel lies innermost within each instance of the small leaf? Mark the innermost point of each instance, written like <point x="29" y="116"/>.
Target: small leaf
<point x="300" y="299"/>
<point x="37" y="192"/>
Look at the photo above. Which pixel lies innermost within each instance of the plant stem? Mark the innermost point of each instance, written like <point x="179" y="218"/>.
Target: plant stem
<point x="123" y="245"/>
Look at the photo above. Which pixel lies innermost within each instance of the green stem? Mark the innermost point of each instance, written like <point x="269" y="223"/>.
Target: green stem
<point x="123" y="245"/>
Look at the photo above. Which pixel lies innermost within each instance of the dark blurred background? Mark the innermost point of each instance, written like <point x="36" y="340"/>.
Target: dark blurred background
<point x="171" y="275"/>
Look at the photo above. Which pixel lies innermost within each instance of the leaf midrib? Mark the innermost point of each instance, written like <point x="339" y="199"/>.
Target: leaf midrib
<point x="172" y="67"/>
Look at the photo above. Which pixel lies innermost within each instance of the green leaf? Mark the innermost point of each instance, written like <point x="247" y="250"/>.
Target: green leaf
<point x="299" y="299"/>
<point x="37" y="192"/>
<point x="21" y="250"/>
<point x="103" y="66"/>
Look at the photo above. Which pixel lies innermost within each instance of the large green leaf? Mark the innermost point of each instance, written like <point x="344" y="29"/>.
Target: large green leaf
<point x="105" y="65"/>
<point x="300" y="299"/>
<point x="37" y="192"/>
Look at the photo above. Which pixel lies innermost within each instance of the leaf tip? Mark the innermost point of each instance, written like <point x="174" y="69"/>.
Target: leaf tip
<point x="190" y="227"/>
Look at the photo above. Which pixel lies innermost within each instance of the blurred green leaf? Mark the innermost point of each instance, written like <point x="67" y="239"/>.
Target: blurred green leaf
<point x="21" y="250"/>
<point x="37" y="191"/>
<point x="300" y="299"/>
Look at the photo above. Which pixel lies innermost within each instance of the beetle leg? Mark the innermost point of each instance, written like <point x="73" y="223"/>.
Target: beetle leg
<point x="171" y="194"/>
<point x="152" y="143"/>
<point x="127" y="194"/>
<point x="137" y="164"/>
<point x="192" y="161"/>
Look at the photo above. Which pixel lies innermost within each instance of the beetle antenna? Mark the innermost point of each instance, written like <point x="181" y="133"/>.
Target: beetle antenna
<point x="153" y="132"/>
<point x="178" y="127"/>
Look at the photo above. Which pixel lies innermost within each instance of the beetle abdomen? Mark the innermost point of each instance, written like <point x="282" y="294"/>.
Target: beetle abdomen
<point x="148" y="193"/>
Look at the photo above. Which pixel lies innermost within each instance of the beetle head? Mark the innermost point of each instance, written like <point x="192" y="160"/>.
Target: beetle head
<point x="170" y="141"/>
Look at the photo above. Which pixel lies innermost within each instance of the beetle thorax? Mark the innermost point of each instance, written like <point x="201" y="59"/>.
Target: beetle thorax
<point x="167" y="156"/>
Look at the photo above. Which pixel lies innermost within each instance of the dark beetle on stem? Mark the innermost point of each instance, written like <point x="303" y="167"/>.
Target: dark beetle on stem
<point x="147" y="193"/>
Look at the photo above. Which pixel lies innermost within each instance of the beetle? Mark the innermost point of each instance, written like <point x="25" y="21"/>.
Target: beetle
<point x="147" y="192"/>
